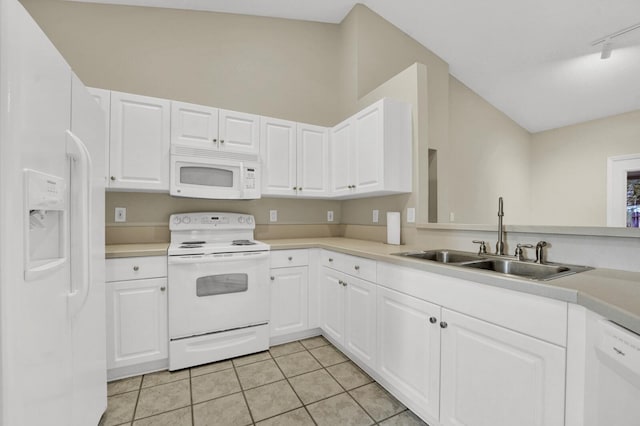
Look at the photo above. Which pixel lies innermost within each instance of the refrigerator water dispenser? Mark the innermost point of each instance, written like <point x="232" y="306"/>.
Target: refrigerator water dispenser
<point x="45" y="224"/>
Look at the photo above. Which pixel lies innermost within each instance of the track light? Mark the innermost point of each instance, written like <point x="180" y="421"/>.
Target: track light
<point x="606" y="50"/>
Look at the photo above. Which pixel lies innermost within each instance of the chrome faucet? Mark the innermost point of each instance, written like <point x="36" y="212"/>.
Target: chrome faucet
<point x="539" y="252"/>
<point x="483" y="247"/>
<point x="500" y="243"/>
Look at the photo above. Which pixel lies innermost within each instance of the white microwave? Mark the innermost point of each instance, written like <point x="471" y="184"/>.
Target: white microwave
<point x="204" y="173"/>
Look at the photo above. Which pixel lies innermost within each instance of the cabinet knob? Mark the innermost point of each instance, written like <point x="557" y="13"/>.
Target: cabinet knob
<point x="344" y="284"/>
<point x="300" y="189"/>
<point x="340" y="282"/>
<point x="221" y="140"/>
<point x="290" y="258"/>
<point x="273" y="278"/>
<point x="214" y="140"/>
<point x="113" y="178"/>
<point x="433" y="320"/>
<point x="330" y="260"/>
<point x="136" y="268"/>
<point x="443" y="324"/>
<point x="163" y="288"/>
<point x="295" y="188"/>
<point x="357" y="268"/>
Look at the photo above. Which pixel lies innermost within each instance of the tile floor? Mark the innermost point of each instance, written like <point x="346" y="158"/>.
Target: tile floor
<point x="308" y="382"/>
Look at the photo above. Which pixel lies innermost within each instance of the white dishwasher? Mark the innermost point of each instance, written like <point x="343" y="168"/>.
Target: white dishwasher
<point x="612" y="382"/>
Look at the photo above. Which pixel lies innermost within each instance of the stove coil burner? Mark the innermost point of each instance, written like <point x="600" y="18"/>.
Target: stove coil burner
<point x="242" y="243"/>
<point x="192" y="244"/>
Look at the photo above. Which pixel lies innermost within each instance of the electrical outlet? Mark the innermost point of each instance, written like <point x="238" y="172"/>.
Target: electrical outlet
<point x="376" y="215"/>
<point x="411" y="215"/>
<point x="273" y="215"/>
<point x="330" y="216"/>
<point x="121" y="214"/>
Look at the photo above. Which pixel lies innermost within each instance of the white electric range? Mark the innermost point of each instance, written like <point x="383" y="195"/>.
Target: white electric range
<point x="218" y="288"/>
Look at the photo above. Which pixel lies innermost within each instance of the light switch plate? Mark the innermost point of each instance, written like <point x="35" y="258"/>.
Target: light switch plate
<point x="273" y="215"/>
<point x="411" y="215"/>
<point x="330" y="216"/>
<point x="376" y="215"/>
<point x="121" y="214"/>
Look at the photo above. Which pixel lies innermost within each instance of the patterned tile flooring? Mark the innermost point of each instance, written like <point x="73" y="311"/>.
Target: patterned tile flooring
<point x="308" y="382"/>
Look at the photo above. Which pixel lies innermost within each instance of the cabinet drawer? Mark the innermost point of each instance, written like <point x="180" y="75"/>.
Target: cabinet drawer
<point x="352" y="265"/>
<point x="285" y="258"/>
<point x="135" y="268"/>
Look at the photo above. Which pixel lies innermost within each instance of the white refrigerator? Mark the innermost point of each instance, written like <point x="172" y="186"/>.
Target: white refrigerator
<point x="52" y="179"/>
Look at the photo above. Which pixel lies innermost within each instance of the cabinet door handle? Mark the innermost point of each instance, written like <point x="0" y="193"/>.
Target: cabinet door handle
<point x="290" y="258"/>
<point x="113" y="178"/>
<point x="273" y="278"/>
<point x="215" y="140"/>
<point x="357" y="268"/>
<point x="433" y="320"/>
<point x="330" y="260"/>
<point x="300" y="189"/>
<point x="163" y="288"/>
<point x="295" y="188"/>
<point x="443" y="324"/>
<point x="221" y="140"/>
<point x="136" y="268"/>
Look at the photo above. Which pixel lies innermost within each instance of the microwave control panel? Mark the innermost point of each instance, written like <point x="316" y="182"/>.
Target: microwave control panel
<point x="250" y="178"/>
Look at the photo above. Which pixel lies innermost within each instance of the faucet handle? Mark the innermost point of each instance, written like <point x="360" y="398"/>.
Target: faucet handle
<point x="483" y="246"/>
<point x="519" y="252"/>
<point x="539" y="251"/>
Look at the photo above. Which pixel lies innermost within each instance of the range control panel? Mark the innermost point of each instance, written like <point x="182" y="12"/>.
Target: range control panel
<point x="207" y="220"/>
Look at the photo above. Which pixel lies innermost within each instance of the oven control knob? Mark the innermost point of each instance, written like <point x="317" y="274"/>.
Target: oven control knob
<point x="249" y="219"/>
<point x="177" y="220"/>
<point x="186" y="220"/>
<point x="241" y="219"/>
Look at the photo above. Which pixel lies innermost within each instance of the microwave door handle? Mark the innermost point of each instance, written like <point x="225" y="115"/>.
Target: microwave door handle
<point x="241" y="180"/>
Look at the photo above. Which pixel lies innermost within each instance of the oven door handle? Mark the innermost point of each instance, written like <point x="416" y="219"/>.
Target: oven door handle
<point x="236" y="257"/>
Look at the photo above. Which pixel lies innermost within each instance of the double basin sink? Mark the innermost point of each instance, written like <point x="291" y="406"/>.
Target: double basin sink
<point x="499" y="264"/>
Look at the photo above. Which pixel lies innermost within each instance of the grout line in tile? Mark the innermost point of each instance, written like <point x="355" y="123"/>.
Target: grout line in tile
<point x="193" y="417"/>
<point x="253" y="422"/>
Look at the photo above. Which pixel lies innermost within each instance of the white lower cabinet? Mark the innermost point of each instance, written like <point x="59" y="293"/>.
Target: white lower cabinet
<point x="492" y="376"/>
<point x="409" y="350"/>
<point x="349" y="314"/>
<point x="137" y="321"/>
<point x="289" y="300"/>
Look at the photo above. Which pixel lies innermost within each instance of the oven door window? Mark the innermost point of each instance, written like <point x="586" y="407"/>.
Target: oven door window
<point x="213" y="285"/>
<point x="206" y="176"/>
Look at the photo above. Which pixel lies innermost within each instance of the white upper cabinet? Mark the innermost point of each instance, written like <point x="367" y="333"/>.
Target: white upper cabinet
<point x="139" y="142"/>
<point x="194" y="125"/>
<point x="371" y="151"/>
<point x="239" y="132"/>
<point x="201" y="126"/>
<point x="342" y="151"/>
<point x="278" y="153"/>
<point x="313" y="160"/>
<point x="295" y="159"/>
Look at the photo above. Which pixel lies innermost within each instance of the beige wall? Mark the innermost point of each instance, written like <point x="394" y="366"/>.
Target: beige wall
<point x="491" y="156"/>
<point x="569" y="169"/>
<point x="275" y="67"/>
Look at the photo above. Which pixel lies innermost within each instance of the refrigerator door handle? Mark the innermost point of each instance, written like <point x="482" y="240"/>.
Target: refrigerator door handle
<point x="80" y="282"/>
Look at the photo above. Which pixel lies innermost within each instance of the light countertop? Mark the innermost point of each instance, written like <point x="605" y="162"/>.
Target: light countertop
<point x="611" y="293"/>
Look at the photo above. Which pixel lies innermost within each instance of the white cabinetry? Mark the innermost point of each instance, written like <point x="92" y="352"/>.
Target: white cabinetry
<point x="295" y="159"/>
<point x="371" y="151"/>
<point x="409" y="350"/>
<point x="495" y="376"/>
<point x="137" y="337"/>
<point x="348" y="303"/>
<point x="289" y="292"/>
<point x="139" y="142"/>
<point x="202" y="126"/>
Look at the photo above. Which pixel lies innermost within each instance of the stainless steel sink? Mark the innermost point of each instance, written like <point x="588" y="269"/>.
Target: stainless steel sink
<point x="497" y="264"/>
<point x="442" y="256"/>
